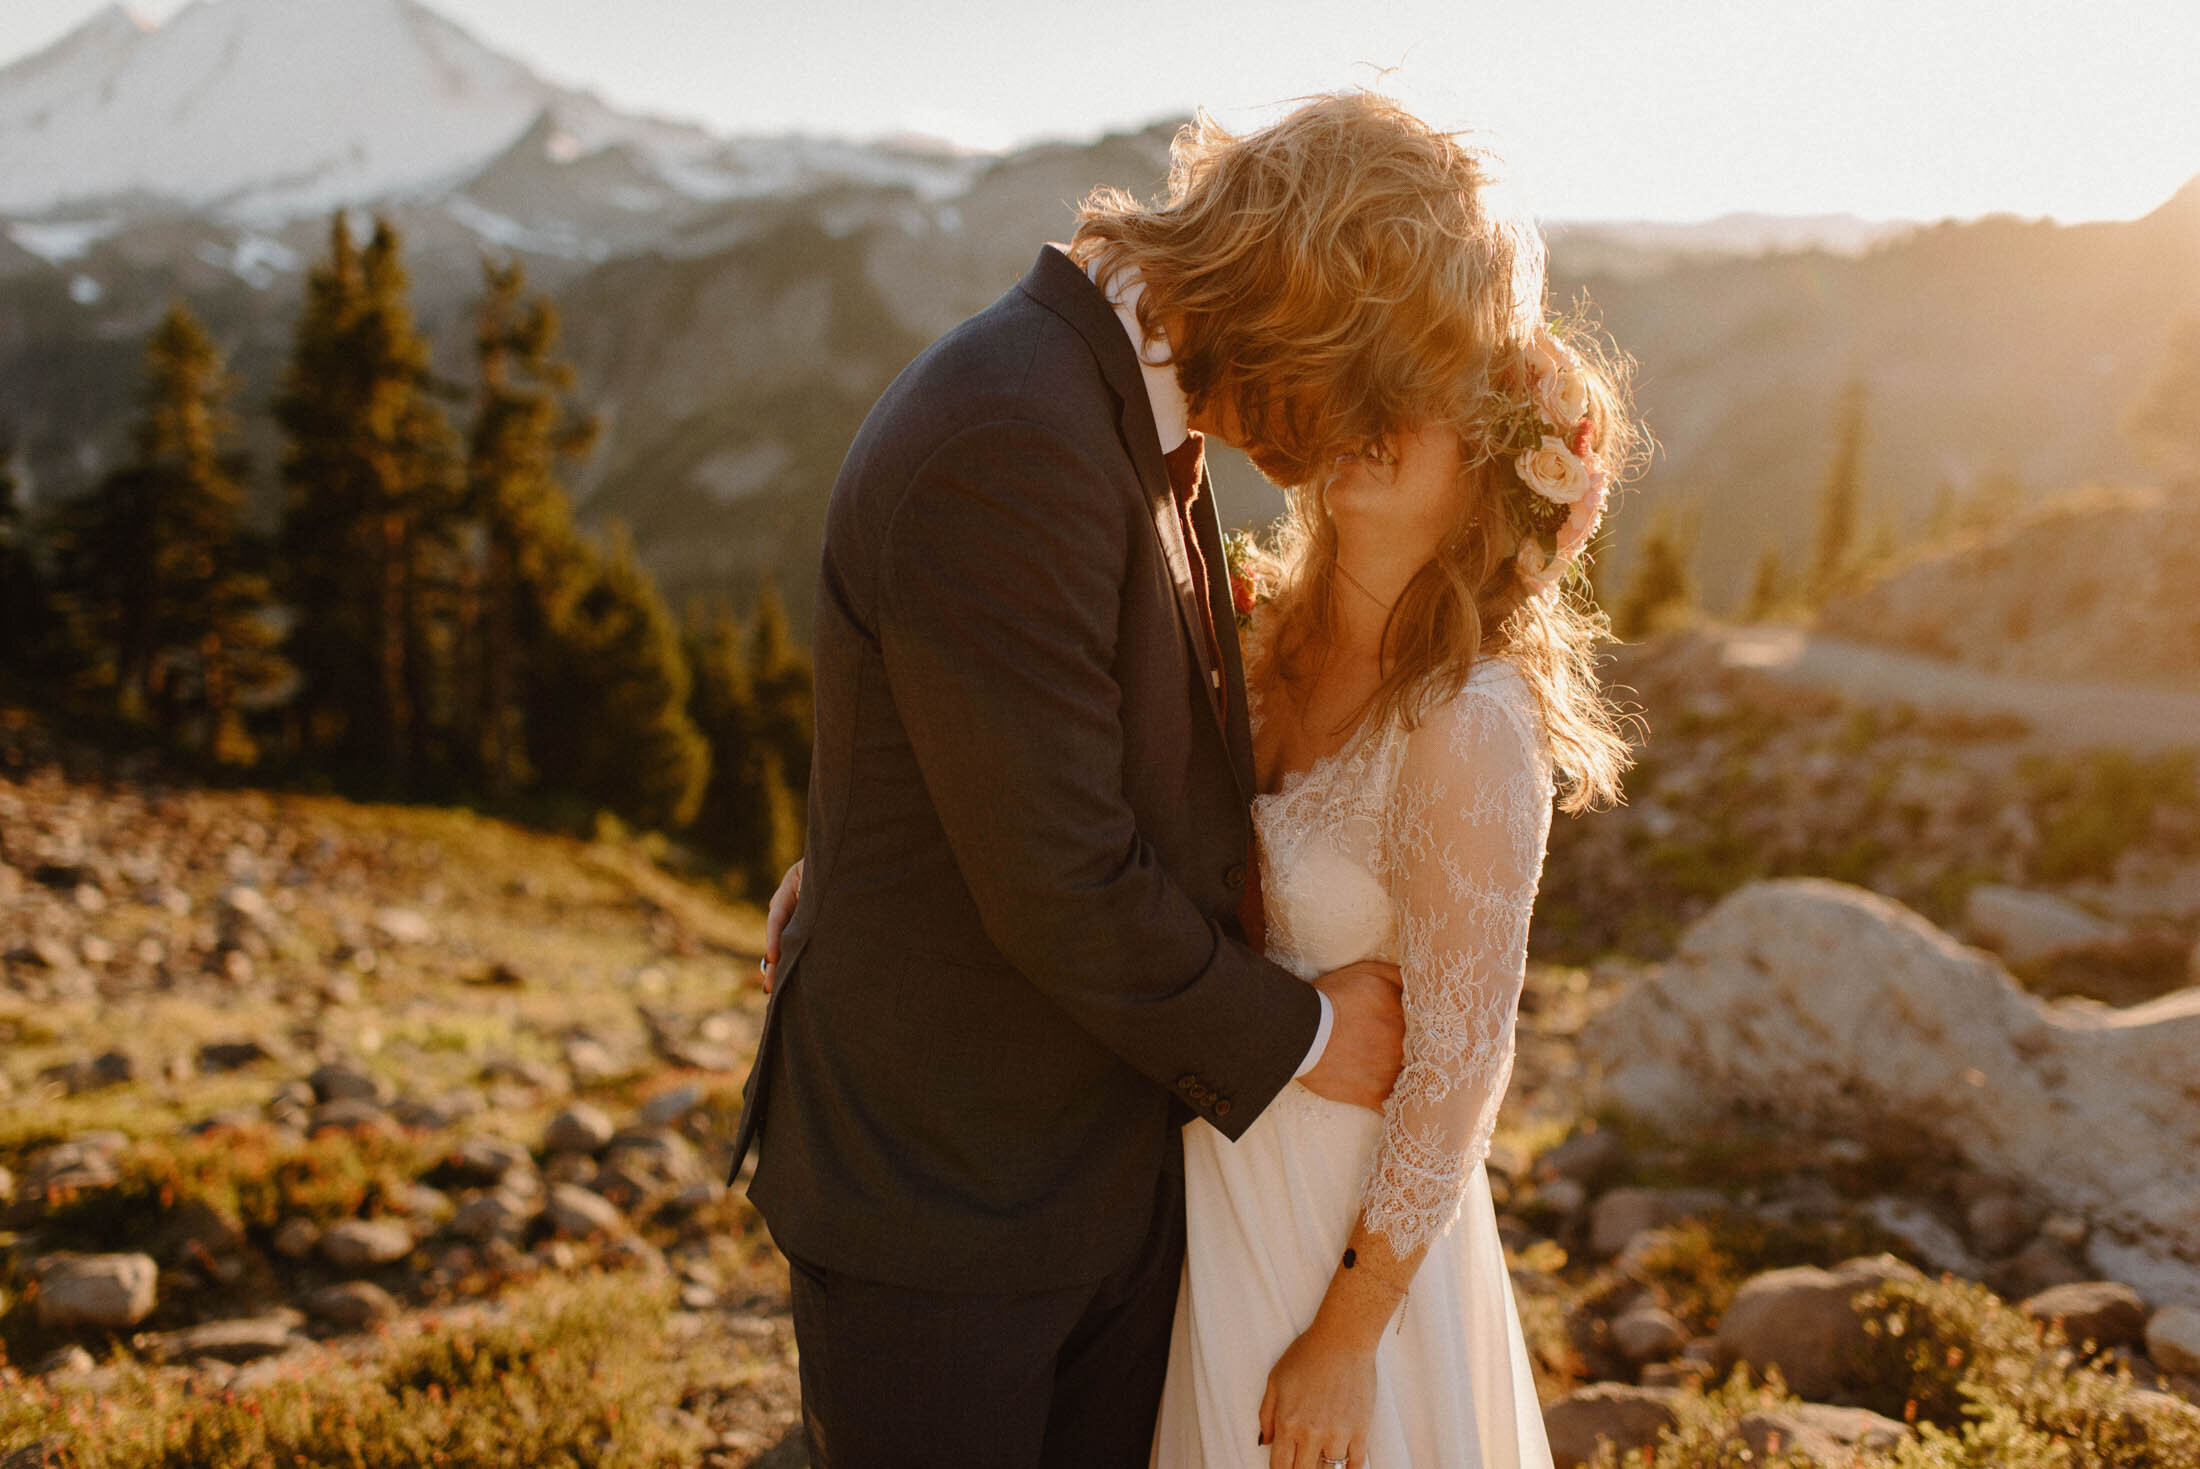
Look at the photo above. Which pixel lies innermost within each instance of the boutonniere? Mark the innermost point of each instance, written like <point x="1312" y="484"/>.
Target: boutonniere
<point x="1252" y="576"/>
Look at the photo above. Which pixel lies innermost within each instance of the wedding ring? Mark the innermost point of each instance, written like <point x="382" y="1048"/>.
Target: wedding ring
<point x="1329" y="1463"/>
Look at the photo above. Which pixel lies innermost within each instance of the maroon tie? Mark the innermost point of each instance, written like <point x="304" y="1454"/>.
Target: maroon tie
<point x="1185" y="462"/>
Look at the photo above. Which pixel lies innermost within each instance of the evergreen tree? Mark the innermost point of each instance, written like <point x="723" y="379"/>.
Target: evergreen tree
<point x="1767" y="587"/>
<point x="607" y="712"/>
<point x="780" y="671"/>
<point x="154" y="571"/>
<point x="748" y="815"/>
<point x="526" y="570"/>
<point x="2166" y="418"/>
<point x="24" y="609"/>
<point x="1661" y="591"/>
<point x="1840" y="500"/>
<point x="370" y="475"/>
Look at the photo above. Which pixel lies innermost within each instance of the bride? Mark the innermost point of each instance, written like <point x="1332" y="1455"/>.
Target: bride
<point x="1421" y="679"/>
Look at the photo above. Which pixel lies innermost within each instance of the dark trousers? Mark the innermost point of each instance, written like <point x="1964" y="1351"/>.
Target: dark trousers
<point x="897" y="1378"/>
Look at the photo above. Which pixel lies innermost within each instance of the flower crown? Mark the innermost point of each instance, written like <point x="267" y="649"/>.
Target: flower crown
<point x="1546" y="430"/>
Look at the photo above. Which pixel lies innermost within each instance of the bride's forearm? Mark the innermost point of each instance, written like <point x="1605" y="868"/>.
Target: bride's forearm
<point x="1365" y="1289"/>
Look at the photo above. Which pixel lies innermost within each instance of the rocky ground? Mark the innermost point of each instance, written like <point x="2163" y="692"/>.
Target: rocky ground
<point x="309" y="1102"/>
<point x="289" y="1083"/>
<point x="2095" y="587"/>
<point x="2081" y="867"/>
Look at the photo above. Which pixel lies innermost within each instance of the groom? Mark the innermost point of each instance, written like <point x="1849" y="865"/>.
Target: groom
<point x="1016" y="965"/>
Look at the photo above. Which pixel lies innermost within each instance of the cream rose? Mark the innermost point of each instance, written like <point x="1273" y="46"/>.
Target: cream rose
<point x="1545" y="359"/>
<point x="1534" y="562"/>
<point x="1552" y="471"/>
<point x="1564" y="397"/>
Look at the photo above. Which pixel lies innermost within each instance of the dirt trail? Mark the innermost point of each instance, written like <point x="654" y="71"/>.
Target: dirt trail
<point x="2068" y="715"/>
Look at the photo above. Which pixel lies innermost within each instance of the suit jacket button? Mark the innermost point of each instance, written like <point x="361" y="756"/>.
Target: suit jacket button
<point x="1222" y="1106"/>
<point x="1186" y="1082"/>
<point x="1235" y="877"/>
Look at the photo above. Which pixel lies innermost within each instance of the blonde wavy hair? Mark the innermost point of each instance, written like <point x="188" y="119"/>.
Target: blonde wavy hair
<point x="1471" y="600"/>
<point x="1332" y="276"/>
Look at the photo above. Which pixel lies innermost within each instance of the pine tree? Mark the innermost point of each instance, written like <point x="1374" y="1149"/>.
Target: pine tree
<point x="370" y="474"/>
<point x="22" y="586"/>
<point x="527" y="569"/>
<point x="154" y="571"/>
<point x="607" y="712"/>
<point x="1840" y="500"/>
<point x="747" y="816"/>
<point x="1767" y="587"/>
<point x="1661" y="591"/>
<point x="784" y="686"/>
<point x="2166" y="419"/>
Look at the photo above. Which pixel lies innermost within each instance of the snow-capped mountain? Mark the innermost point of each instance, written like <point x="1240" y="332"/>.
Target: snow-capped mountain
<point x="263" y="110"/>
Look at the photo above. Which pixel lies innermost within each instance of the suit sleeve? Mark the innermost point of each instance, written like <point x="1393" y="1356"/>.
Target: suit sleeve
<point x="1000" y="589"/>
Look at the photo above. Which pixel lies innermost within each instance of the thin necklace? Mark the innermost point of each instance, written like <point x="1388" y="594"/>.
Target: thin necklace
<point x="1348" y="576"/>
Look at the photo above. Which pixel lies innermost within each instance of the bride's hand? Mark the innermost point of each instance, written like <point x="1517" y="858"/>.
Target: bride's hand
<point x="1320" y="1400"/>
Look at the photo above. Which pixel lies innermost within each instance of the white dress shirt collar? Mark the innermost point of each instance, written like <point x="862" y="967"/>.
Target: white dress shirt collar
<point x="1172" y="412"/>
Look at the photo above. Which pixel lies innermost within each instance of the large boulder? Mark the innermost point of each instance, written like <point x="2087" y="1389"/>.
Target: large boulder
<point x="1814" y="997"/>
<point x="1609" y="1412"/>
<point x="1804" y="1321"/>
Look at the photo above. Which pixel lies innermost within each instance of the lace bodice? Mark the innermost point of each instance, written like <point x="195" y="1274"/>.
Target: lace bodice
<point x="1423" y="847"/>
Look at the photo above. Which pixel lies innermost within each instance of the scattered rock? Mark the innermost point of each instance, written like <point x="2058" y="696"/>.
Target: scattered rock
<point x="1927" y="1237"/>
<point x="1624" y="1213"/>
<point x="577" y="1211"/>
<point x="230" y="1055"/>
<point x="235" y="1341"/>
<point x="65" y="1360"/>
<point x="497" y="1213"/>
<point x="1588" y="1158"/>
<point x="2173" y="1339"/>
<point x="1819" y="1433"/>
<point x="109" y="1291"/>
<point x="403" y="926"/>
<point x="2030" y="928"/>
<point x="2040" y="1265"/>
<point x="348" y="1114"/>
<point x="296" y="1238"/>
<point x="580" y="1128"/>
<point x="1565" y="1195"/>
<point x="2104" y="1312"/>
<point x="1648" y="1334"/>
<point x="363" y="1244"/>
<point x="1803" y="1320"/>
<point x="338" y="1082"/>
<point x="352" y="1304"/>
<point x="671" y="1107"/>
<point x="2000" y="1223"/>
<point x="489" y="1160"/>
<point x="592" y="1062"/>
<point x="1626" y="1417"/>
<point x="109" y="1068"/>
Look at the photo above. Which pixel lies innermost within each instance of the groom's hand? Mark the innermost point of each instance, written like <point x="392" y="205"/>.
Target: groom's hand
<point x="775" y="923"/>
<point x="1367" y="1039"/>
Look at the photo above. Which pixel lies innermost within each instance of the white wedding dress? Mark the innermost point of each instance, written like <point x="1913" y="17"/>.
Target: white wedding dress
<point x="1423" y="848"/>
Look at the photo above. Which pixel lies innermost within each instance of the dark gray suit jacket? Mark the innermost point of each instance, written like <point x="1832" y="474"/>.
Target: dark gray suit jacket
<point x="1028" y="831"/>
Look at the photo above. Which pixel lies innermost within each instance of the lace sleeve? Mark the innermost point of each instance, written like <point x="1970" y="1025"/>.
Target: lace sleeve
<point x="1464" y="851"/>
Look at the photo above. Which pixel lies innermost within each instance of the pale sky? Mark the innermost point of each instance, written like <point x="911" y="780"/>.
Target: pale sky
<point x="1655" y="109"/>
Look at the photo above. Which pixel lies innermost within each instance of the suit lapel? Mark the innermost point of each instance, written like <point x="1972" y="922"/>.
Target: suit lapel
<point x="1056" y="283"/>
<point x="1238" y="729"/>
